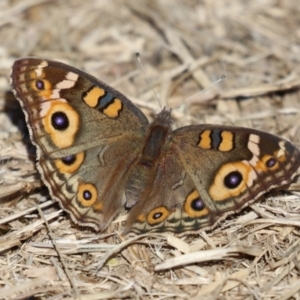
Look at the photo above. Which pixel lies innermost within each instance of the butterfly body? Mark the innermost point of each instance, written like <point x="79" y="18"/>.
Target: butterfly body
<point x="97" y="153"/>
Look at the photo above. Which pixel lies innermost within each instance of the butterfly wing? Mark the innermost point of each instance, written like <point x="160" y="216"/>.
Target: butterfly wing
<point x="87" y="135"/>
<point x="95" y="148"/>
<point x="212" y="171"/>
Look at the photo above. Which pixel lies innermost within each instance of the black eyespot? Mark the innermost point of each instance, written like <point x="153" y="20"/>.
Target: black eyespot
<point x="60" y="121"/>
<point x="233" y="179"/>
<point x="157" y="215"/>
<point x="69" y="160"/>
<point x="271" y="162"/>
<point x="197" y="204"/>
<point x="40" y="85"/>
<point x="87" y="195"/>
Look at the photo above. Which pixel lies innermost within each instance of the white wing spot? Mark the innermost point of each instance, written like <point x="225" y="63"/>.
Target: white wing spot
<point x="252" y="175"/>
<point x="55" y="94"/>
<point x="281" y="151"/>
<point x="69" y="82"/>
<point x="253" y="144"/>
<point x="39" y="68"/>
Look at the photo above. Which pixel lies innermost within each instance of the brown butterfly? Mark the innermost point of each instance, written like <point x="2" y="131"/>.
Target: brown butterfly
<point x="97" y="153"/>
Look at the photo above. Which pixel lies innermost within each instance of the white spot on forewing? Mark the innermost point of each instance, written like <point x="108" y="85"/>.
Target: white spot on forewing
<point x="72" y="76"/>
<point x="69" y="82"/>
<point x="253" y="144"/>
<point x="281" y="151"/>
<point x="44" y="108"/>
<point x="252" y="175"/>
<point x="254" y="138"/>
<point x="39" y="68"/>
<point x="254" y="162"/>
<point x="55" y="94"/>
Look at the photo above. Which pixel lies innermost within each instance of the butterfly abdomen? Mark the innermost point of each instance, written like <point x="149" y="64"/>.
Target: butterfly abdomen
<point x="144" y="170"/>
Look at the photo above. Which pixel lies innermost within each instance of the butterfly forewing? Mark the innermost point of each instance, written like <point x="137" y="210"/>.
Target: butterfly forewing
<point x="86" y="133"/>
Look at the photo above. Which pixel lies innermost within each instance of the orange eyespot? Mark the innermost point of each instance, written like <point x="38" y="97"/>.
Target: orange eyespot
<point x="87" y="194"/>
<point x="157" y="215"/>
<point x="70" y="163"/>
<point x="194" y="206"/>
<point x="61" y="121"/>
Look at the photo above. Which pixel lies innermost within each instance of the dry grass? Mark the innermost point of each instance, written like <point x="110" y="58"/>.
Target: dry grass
<point x="186" y="46"/>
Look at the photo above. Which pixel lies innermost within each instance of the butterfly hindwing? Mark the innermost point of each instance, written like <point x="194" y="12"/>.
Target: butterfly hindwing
<point x="210" y="171"/>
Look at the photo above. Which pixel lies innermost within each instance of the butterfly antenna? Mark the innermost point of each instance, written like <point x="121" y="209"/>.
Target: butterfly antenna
<point x="138" y="56"/>
<point x="208" y="87"/>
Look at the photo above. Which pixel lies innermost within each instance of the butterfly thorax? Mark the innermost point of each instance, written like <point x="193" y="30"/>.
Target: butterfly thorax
<point x="144" y="170"/>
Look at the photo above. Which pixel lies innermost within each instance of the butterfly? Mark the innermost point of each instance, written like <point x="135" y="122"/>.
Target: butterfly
<point x="97" y="153"/>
